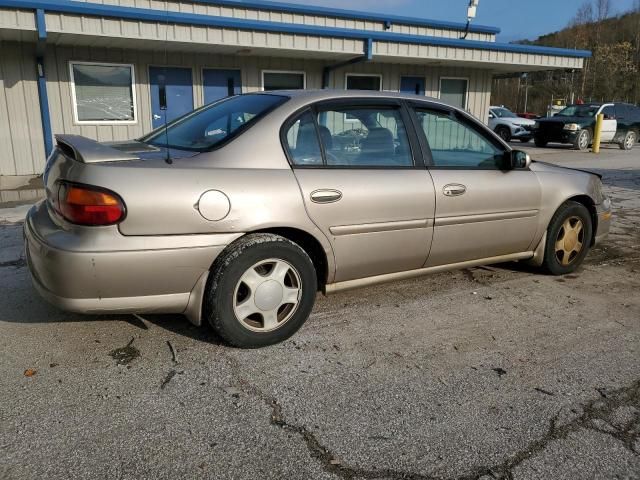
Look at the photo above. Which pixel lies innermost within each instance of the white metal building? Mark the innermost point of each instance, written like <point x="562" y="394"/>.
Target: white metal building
<point x="94" y="67"/>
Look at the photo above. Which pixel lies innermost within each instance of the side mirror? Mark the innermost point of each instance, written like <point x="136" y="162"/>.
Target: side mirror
<point x="519" y="160"/>
<point x="491" y="115"/>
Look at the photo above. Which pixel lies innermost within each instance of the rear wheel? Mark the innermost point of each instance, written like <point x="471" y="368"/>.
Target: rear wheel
<point x="629" y="140"/>
<point x="504" y="133"/>
<point x="540" y="142"/>
<point x="261" y="291"/>
<point x="583" y="140"/>
<point x="568" y="238"/>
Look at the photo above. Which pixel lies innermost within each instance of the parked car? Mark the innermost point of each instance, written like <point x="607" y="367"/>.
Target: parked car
<point x="576" y="125"/>
<point x="510" y="126"/>
<point x="529" y="115"/>
<point x="239" y="212"/>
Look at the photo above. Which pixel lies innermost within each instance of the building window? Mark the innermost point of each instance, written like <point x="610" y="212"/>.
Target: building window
<point x="276" y="80"/>
<point x="356" y="81"/>
<point x="454" y="91"/>
<point x="103" y="93"/>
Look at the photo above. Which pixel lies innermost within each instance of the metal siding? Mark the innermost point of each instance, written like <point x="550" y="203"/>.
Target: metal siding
<point x="17" y="19"/>
<point x="296" y="18"/>
<point x="21" y="136"/>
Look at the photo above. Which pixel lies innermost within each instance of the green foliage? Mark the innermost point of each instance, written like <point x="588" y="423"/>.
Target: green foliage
<point x="612" y="74"/>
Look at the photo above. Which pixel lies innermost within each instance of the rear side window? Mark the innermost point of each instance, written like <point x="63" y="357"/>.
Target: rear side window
<point x="215" y="124"/>
<point x="454" y="144"/>
<point x="364" y="137"/>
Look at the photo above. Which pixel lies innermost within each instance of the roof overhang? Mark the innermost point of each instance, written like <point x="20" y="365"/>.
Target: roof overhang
<point x="82" y="23"/>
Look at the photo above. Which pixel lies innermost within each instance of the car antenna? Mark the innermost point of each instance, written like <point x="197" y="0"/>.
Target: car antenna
<point x="162" y="84"/>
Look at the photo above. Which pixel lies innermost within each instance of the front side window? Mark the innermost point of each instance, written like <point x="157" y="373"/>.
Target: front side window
<point x="454" y="144"/>
<point x="283" y="81"/>
<point x="503" y="113"/>
<point x="454" y="91"/>
<point x="364" y="137"/>
<point x="103" y="93"/>
<point x="609" y="112"/>
<point x="364" y="82"/>
<point x="214" y="124"/>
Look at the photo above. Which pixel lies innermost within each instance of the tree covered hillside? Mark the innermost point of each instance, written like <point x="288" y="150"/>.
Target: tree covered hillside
<point x="612" y="74"/>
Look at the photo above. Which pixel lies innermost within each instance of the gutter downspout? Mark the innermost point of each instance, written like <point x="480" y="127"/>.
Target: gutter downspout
<point x="367" y="57"/>
<point x="43" y="96"/>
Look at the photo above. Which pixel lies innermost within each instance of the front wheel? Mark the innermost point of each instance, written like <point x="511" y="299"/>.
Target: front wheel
<point x="540" y="142"/>
<point x="583" y="140"/>
<point x="568" y="239"/>
<point x="629" y="140"/>
<point x="261" y="291"/>
<point x="504" y="133"/>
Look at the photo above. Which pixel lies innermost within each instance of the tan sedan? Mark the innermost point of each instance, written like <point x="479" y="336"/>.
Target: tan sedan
<point x="238" y="213"/>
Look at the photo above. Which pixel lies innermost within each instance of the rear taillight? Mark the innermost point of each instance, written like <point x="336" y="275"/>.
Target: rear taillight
<point x="87" y="205"/>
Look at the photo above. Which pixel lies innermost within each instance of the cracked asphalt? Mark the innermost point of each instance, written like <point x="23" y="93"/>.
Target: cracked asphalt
<point x="496" y="372"/>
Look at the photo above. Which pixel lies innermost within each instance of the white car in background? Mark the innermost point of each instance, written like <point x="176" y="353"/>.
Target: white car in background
<point x="510" y="126"/>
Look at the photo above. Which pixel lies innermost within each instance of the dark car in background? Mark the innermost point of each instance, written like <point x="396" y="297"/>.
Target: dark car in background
<point x="576" y="125"/>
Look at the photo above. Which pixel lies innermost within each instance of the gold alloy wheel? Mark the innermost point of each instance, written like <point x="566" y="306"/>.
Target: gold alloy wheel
<point x="570" y="241"/>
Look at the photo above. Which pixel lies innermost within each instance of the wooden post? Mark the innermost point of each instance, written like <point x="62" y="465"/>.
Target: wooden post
<point x="597" y="133"/>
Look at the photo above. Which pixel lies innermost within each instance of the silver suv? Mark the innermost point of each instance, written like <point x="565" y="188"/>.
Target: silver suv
<point x="509" y="126"/>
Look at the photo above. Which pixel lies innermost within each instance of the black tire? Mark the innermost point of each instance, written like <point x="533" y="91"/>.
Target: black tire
<point x="552" y="259"/>
<point x="504" y="133"/>
<point x="583" y="140"/>
<point x="225" y="277"/>
<point x="629" y="140"/>
<point x="540" y="142"/>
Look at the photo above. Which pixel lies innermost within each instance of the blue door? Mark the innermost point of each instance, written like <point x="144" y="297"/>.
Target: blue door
<point x="171" y="93"/>
<point x="412" y="85"/>
<point x="220" y="84"/>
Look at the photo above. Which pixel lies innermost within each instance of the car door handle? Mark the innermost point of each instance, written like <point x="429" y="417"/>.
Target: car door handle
<point x="454" y="190"/>
<point x="326" y="196"/>
<point x="156" y="116"/>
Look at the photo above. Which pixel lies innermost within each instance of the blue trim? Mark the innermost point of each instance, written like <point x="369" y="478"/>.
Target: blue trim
<point x="45" y="115"/>
<point x="43" y="96"/>
<point x="369" y="49"/>
<point x="82" y="8"/>
<point x="41" y="25"/>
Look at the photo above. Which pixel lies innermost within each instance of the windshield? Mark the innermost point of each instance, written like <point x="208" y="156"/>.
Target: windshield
<point x="579" y="111"/>
<point x="215" y="124"/>
<point x="504" y="113"/>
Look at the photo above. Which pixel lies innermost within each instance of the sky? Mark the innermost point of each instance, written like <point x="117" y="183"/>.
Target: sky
<point x="518" y="19"/>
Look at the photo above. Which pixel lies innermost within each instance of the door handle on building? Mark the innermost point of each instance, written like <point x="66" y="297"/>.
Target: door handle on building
<point x="156" y="116"/>
<point x="454" y="190"/>
<point x="326" y="196"/>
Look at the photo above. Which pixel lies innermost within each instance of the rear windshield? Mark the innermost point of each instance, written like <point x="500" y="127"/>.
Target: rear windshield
<point x="213" y="125"/>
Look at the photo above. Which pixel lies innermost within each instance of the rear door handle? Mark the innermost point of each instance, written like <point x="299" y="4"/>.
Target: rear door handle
<point x="326" y="196"/>
<point x="454" y="190"/>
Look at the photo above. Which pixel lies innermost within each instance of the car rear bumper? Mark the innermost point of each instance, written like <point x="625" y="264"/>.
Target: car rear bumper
<point x="98" y="270"/>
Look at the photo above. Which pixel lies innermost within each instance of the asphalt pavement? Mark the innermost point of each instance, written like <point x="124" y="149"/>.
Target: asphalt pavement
<point x="493" y="372"/>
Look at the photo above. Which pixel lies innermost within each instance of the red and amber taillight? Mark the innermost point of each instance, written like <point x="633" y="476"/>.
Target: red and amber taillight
<point x="88" y="205"/>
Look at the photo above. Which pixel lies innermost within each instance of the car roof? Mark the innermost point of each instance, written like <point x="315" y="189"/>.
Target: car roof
<point x="328" y="94"/>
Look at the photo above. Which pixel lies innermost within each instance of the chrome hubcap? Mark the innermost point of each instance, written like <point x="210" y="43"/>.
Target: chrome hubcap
<point x="570" y="241"/>
<point x="267" y="295"/>
<point x="584" y="139"/>
<point x="631" y="140"/>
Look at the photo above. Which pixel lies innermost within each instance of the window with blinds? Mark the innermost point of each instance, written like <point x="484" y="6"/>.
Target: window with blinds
<point x="103" y="93"/>
<point x="454" y="91"/>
